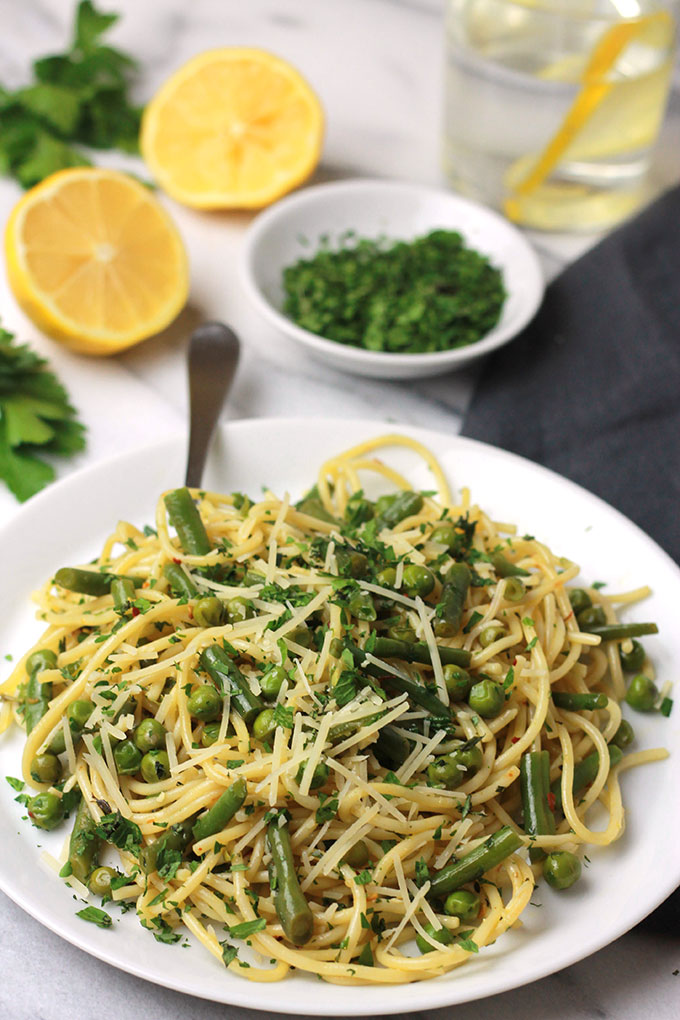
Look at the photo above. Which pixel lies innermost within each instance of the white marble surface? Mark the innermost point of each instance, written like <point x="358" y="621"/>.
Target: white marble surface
<point x="377" y="67"/>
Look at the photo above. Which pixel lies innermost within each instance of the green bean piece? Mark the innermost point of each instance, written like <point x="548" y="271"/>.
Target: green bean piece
<point x="358" y="510"/>
<point x="505" y="567"/>
<point x="319" y="776"/>
<point x="492" y="633"/>
<point x="100" y="880"/>
<point x="40" y="660"/>
<point x="391" y="748"/>
<point x="149" y="735"/>
<point x="222" y="811"/>
<point x="642" y="693"/>
<point x="90" y="582"/>
<point x="417" y="581"/>
<point x="624" y="736"/>
<point x="593" y="616"/>
<point x="46" y="810"/>
<point x="85" y="844"/>
<point x="362" y="607"/>
<point x="584" y="773"/>
<point x="475" y="863"/>
<point x="402" y="506"/>
<point x="458" y="682"/>
<point x="634" y="660"/>
<point x="239" y="609"/>
<point x="514" y="590"/>
<point x="561" y="869"/>
<point x="36" y="699"/>
<point x="487" y="699"/>
<point x="586" y="702"/>
<point x="155" y="766"/>
<point x="205" y="703"/>
<point x="272" y="681"/>
<point x="175" y="839"/>
<point x="463" y="904"/>
<point x="46" y="768"/>
<point x="180" y="583"/>
<point x="290" y="904"/>
<point x="226" y="676"/>
<point x="579" y="599"/>
<point x="123" y="592"/>
<point x="127" y="758"/>
<point x="357" y="856"/>
<point x="621" y="631"/>
<point x="451" y="603"/>
<point x="441" y="935"/>
<point x="208" y="611"/>
<point x="534" y="778"/>
<point x="186" y="520"/>
<point x="351" y="562"/>
<point x="420" y="695"/>
<point x="402" y="632"/>
<point x="384" y="502"/>
<point x="313" y="507"/>
<point x="301" y="635"/>
<point x="419" y="652"/>
<point x="264" y="724"/>
<point x="342" y="730"/>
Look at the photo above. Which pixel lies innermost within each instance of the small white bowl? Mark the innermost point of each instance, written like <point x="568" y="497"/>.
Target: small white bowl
<point x="400" y="211"/>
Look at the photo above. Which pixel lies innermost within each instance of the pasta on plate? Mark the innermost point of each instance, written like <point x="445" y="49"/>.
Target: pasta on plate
<point x="350" y="732"/>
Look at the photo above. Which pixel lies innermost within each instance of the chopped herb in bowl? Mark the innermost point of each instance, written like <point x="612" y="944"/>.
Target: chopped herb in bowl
<point x="402" y="297"/>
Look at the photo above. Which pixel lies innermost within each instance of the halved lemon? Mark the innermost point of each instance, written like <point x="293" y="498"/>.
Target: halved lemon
<point x="95" y="261"/>
<point x="233" y="129"/>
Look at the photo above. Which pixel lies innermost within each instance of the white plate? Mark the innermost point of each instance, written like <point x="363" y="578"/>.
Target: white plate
<point x="68" y="522"/>
<point x="397" y="210"/>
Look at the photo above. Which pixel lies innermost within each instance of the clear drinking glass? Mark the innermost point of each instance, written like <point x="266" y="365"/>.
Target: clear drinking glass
<point x="552" y="107"/>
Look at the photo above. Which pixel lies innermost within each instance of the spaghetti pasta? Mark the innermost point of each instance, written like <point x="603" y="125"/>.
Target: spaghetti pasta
<point x="324" y="734"/>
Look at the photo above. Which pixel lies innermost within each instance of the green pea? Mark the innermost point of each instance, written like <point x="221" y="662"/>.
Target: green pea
<point x="100" y="880"/>
<point x="642" y="693"/>
<point x="417" y="580"/>
<point x="78" y="712"/>
<point x="454" y="769"/>
<point x="46" y="810"/>
<point x="458" y="682"/>
<point x="445" y="534"/>
<point x="624" y="736"/>
<point x="361" y="606"/>
<point x="561" y="869"/>
<point x="239" y="609"/>
<point x="514" y="590"/>
<point x="357" y="856"/>
<point x="263" y="724"/>
<point x="43" y="658"/>
<point x="149" y="735"/>
<point x="386" y="577"/>
<point x="593" y="616"/>
<point x="127" y="757"/>
<point x="205" y="703"/>
<point x="579" y="600"/>
<point x="490" y="634"/>
<point x="46" y="768"/>
<point x="272" y="681"/>
<point x="155" y="766"/>
<point x="209" y="734"/>
<point x="319" y="777"/>
<point x="441" y="935"/>
<point x="302" y="636"/>
<point x="463" y="904"/>
<point x="486" y="699"/>
<point x="208" y="612"/>
<point x="634" y="660"/>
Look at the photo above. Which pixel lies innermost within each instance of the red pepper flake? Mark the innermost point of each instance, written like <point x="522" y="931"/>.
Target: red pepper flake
<point x="191" y="612"/>
<point x="514" y="662"/>
<point x="569" y="615"/>
<point x="175" y="560"/>
<point x="135" y="611"/>
<point x="551" y="800"/>
<point x="514" y="740"/>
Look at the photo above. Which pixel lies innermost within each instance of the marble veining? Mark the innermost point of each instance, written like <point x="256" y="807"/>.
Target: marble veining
<point x="377" y="66"/>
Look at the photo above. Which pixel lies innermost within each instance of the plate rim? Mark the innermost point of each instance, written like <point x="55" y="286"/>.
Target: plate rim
<point x="438" y="993"/>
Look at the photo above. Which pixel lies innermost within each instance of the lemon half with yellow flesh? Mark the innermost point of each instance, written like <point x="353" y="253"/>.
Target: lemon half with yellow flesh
<point x="234" y="128"/>
<point x="95" y="261"/>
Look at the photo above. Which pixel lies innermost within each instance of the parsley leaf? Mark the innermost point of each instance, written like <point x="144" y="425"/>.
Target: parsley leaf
<point x="246" y="928"/>
<point x="95" y="916"/>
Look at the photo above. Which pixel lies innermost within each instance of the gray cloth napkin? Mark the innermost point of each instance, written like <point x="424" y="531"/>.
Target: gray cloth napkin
<point x="591" y="388"/>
